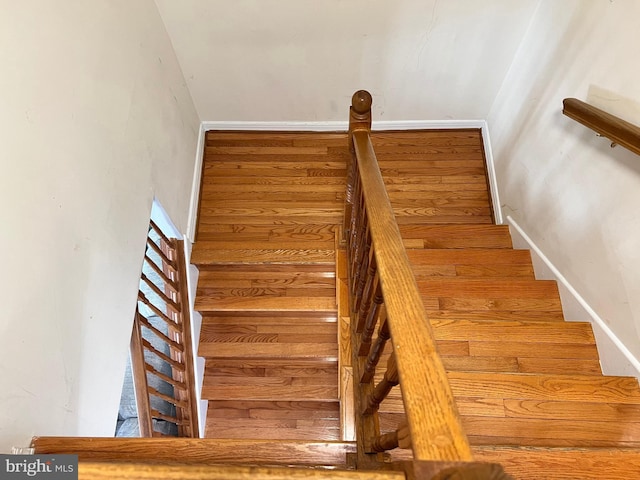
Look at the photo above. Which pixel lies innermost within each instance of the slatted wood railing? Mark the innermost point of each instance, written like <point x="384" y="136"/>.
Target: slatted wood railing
<point x="161" y="346"/>
<point x="384" y="294"/>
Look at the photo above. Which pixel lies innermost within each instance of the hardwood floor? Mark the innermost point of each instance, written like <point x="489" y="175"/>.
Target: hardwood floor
<point x="270" y="206"/>
<point x="521" y="376"/>
<point x="527" y="384"/>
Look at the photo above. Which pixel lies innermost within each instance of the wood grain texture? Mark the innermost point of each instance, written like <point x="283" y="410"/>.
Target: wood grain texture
<point x="270" y="206"/>
<point x="115" y="471"/>
<point x="195" y="451"/>
<point x="518" y="373"/>
<point x="614" y="128"/>
<point x="428" y="400"/>
<point x="526" y="463"/>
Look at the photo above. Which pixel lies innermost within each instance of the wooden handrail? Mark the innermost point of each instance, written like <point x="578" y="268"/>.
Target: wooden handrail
<point x="136" y="471"/>
<point x="619" y="131"/>
<point x="435" y="426"/>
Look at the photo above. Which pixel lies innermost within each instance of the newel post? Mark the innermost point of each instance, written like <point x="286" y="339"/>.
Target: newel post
<point x="359" y="119"/>
<point x="360" y="112"/>
<point x="424" y="470"/>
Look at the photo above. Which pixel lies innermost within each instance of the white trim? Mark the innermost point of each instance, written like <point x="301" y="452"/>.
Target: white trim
<point x="278" y="126"/>
<point x="340" y="126"/>
<point x="620" y="362"/>
<point x="426" y="124"/>
<point x="195" y="186"/>
<point x="196" y="326"/>
<point x="491" y="174"/>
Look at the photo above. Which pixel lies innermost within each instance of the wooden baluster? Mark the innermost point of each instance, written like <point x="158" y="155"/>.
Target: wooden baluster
<point x="366" y="291"/>
<point x="142" y="298"/>
<point x="385" y="442"/>
<point x="399" y="438"/>
<point x="167" y="281"/>
<point x="362" y="246"/>
<point x="381" y="391"/>
<point x="158" y="291"/>
<point x="350" y="196"/>
<point x="166" y="260"/>
<point x="356" y="215"/>
<point x="158" y="333"/>
<point x="371" y="318"/>
<point x="378" y="347"/>
<point x="425" y="470"/>
<point x="174" y="363"/>
<point x="140" y="384"/>
<point x="427" y="395"/>
<point x="364" y="276"/>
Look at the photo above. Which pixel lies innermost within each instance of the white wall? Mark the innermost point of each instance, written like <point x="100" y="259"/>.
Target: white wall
<point x="575" y="196"/>
<point x="301" y="60"/>
<point x="95" y="119"/>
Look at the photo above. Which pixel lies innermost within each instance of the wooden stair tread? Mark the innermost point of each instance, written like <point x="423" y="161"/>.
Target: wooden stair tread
<point x="274" y="409"/>
<point x="488" y="288"/>
<point x="267" y="233"/>
<point x="203" y="256"/>
<point x="267" y="318"/>
<point x="265" y="304"/>
<point x="270" y="368"/>
<point x="468" y="256"/>
<point x="459" y="236"/>
<point x="516" y="364"/>
<point x="530" y="463"/>
<point x="470" y="263"/>
<point x="253" y="350"/>
<point x="519" y="374"/>
<point x="275" y="429"/>
<point x="289" y="393"/>
<point x="585" y="411"/>
<point x="211" y="330"/>
<point x="514" y="331"/>
<point x="485" y="312"/>
<point x="196" y="451"/>
<point x="547" y="387"/>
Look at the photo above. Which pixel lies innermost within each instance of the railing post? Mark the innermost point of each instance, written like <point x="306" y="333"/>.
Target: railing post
<point x="434" y="428"/>
<point x="359" y="119"/>
<point x="360" y="112"/>
<point x="424" y="470"/>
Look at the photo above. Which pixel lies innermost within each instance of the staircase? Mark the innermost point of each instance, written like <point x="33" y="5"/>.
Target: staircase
<point x="270" y="206"/>
<point x="527" y="384"/>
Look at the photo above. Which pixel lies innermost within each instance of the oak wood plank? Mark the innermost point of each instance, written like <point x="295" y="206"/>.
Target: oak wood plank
<point x="514" y="331"/>
<point x="296" y="351"/>
<point x="196" y="451"/>
<point x="529" y="463"/>
<point x="282" y="393"/>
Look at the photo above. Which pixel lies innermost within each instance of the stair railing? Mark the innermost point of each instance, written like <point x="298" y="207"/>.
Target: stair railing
<point x="161" y="347"/>
<point x="383" y="294"/>
<point x="619" y="131"/>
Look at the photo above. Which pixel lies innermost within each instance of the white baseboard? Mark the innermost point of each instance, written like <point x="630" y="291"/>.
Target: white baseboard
<point x="491" y="174"/>
<point x="615" y="357"/>
<point x="196" y="326"/>
<point x="340" y="126"/>
<point x="195" y="185"/>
